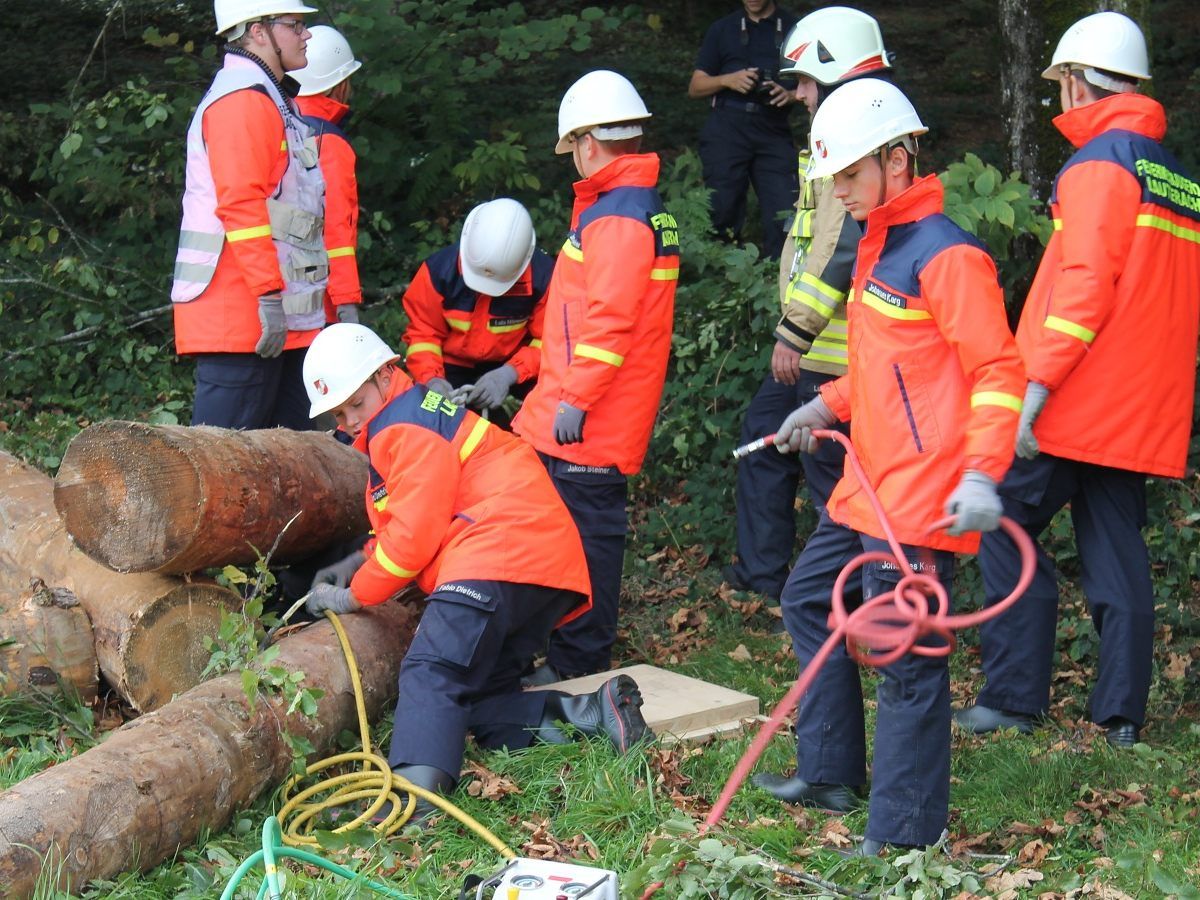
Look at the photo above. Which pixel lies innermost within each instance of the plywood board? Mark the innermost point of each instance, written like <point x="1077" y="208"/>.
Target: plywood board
<point x="675" y="704"/>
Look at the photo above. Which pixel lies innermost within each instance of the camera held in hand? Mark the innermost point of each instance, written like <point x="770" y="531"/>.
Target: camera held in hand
<point x="766" y="80"/>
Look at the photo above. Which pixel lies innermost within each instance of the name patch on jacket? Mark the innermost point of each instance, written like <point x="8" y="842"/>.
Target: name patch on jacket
<point x="896" y="300"/>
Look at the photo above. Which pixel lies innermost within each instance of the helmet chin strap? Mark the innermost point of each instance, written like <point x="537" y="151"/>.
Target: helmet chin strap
<point x="883" y="155"/>
<point x="274" y="45"/>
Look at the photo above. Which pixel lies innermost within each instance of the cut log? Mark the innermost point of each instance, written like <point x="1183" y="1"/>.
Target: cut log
<point x="173" y="499"/>
<point x="46" y="643"/>
<point x="150" y="630"/>
<point x="157" y="782"/>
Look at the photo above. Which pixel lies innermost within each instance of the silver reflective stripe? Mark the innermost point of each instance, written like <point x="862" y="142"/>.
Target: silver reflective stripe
<point x="202" y="241"/>
<point x="195" y="272"/>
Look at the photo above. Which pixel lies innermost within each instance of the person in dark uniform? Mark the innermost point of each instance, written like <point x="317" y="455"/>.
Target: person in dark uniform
<point x="466" y="511"/>
<point x="747" y="138"/>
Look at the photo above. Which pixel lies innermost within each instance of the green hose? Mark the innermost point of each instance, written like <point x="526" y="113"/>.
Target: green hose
<point x="273" y="847"/>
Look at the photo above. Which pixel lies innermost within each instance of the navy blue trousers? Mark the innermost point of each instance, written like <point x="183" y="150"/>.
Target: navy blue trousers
<point x="910" y="774"/>
<point x="1108" y="512"/>
<point x="739" y="148"/>
<point x="767" y="482"/>
<point x="596" y="498"/>
<point x="243" y="390"/>
<point x="463" y="671"/>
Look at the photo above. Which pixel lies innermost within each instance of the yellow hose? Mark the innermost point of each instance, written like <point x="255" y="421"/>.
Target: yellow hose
<point x="374" y="780"/>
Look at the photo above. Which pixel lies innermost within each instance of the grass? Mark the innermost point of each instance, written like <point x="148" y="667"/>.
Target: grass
<point x="1064" y="814"/>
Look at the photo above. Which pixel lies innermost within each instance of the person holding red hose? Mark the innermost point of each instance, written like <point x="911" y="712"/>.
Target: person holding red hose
<point x="1108" y="335"/>
<point x="934" y="388"/>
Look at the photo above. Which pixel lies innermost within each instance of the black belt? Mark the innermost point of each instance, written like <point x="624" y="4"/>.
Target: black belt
<point x="746" y="106"/>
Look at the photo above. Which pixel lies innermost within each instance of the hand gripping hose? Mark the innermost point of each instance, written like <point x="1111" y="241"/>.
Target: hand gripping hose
<point x="885" y="627"/>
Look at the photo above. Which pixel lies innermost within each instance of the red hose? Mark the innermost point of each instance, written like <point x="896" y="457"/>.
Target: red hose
<point x="885" y="627"/>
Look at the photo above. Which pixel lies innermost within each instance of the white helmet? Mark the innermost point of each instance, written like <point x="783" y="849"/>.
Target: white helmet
<point x="339" y="361"/>
<point x="231" y="13"/>
<point x="496" y="245"/>
<point x="330" y="62"/>
<point x="597" y="99"/>
<point x="855" y="120"/>
<point x="1106" y="40"/>
<point x="833" y="44"/>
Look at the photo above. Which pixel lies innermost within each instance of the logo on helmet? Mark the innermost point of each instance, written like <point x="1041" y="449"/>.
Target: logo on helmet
<point x="822" y="150"/>
<point x="321" y="386"/>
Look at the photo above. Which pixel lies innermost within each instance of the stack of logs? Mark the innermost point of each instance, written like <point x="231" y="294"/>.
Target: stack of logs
<point x="94" y="575"/>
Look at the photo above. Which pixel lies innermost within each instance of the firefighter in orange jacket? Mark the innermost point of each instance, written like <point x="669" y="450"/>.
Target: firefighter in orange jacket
<point x="324" y="101"/>
<point x="602" y="369"/>
<point x="251" y="268"/>
<point x="465" y="510"/>
<point x="475" y="310"/>
<point x="1108" y="335"/>
<point x="934" y="389"/>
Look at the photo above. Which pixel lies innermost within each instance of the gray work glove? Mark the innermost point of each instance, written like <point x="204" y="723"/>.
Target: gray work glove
<point x="340" y="573"/>
<point x="274" y="326"/>
<point x="975" y="503"/>
<point x="335" y="599"/>
<point x="492" y="387"/>
<point x="1035" y="399"/>
<point x="795" y="434"/>
<point x="440" y="386"/>
<point x="347" y="312"/>
<point x="568" y="423"/>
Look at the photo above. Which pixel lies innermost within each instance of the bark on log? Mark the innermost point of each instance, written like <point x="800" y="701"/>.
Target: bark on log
<point x="158" y="781"/>
<point x="46" y="643"/>
<point x="150" y="630"/>
<point x="173" y="499"/>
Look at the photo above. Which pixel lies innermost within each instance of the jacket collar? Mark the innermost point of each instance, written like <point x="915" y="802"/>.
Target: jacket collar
<point x="922" y="198"/>
<point x="236" y="57"/>
<point x="1127" y="112"/>
<point x="630" y="170"/>
<point x="323" y="107"/>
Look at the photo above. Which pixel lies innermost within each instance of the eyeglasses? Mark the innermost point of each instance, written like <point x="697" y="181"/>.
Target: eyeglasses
<point x="295" y="24"/>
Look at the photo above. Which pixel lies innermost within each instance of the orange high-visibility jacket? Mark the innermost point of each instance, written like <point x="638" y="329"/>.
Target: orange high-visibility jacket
<point x="608" y="319"/>
<point x="1110" y="325"/>
<point x="451" y="496"/>
<point x="338" y="163"/>
<point x="247" y="153"/>
<point x="935" y="381"/>
<point x="450" y="323"/>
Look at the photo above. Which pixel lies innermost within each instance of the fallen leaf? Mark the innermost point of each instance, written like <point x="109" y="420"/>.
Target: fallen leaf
<point x="740" y="654"/>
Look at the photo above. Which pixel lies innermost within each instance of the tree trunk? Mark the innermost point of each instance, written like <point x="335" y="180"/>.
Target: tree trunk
<point x="150" y="630"/>
<point x="157" y="782"/>
<point x="46" y="643"/>
<point x="173" y="499"/>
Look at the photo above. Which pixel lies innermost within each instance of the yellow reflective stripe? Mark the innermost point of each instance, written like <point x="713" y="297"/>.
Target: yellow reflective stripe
<point x="283" y="145"/>
<point x="337" y="252"/>
<point x="800" y="295"/>
<point x="802" y="226"/>
<point x="831" y="292"/>
<point x="505" y="329"/>
<point x="1058" y="224"/>
<point x="607" y="356"/>
<point x="893" y="312"/>
<point x="459" y="324"/>
<point x="1054" y="323"/>
<point x="831" y="344"/>
<point x="664" y="274"/>
<point x="996" y="398"/>
<point x="245" y="234"/>
<point x="1188" y="234"/>
<point x="572" y="252"/>
<point x="391" y="567"/>
<point x="381" y="504"/>
<point x="826" y="357"/>
<point x="473" y="440"/>
<point x="536" y="343"/>
<point x="423" y="347"/>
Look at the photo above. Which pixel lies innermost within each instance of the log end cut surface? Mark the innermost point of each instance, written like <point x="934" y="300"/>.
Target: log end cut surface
<point x="112" y="501"/>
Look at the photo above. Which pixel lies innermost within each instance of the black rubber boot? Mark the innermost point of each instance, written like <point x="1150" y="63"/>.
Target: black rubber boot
<point x="834" y="798"/>
<point x="541" y="675"/>
<point x="1121" y="733"/>
<point x="983" y="720"/>
<point x="614" y="711"/>
<point x="428" y="777"/>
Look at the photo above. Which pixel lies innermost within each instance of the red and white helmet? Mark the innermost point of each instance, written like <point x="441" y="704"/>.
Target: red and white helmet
<point x="339" y="361"/>
<point x="832" y="45"/>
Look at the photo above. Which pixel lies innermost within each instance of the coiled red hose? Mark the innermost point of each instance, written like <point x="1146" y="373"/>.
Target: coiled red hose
<point x="885" y="627"/>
